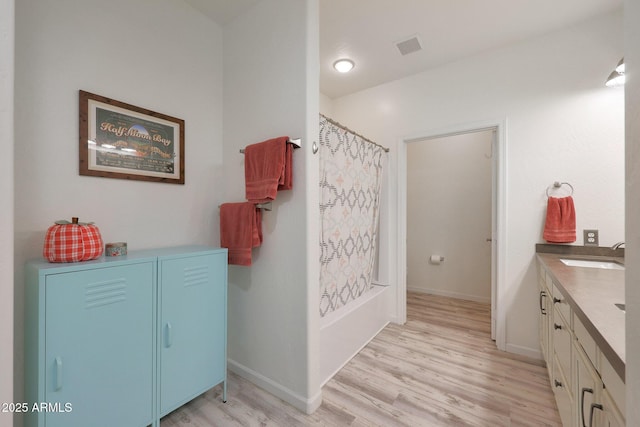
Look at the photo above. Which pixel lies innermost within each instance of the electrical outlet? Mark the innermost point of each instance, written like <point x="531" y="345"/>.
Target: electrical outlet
<point x="590" y="237"/>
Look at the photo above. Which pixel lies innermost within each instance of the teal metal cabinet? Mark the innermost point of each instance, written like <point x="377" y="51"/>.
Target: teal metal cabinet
<point x="123" y="341"/>
<point x="193" y="295"/>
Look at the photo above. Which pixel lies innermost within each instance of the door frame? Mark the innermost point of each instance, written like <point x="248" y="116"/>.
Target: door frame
<point x="498" y="219"/>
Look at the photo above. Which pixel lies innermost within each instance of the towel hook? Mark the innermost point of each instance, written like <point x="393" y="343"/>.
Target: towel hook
<point x="557" y="185"/>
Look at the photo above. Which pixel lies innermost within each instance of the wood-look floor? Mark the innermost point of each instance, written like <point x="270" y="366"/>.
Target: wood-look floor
<point x="439" y="369"/>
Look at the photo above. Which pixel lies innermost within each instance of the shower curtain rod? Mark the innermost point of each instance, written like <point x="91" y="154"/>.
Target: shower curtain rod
<point x="333" y="122"/>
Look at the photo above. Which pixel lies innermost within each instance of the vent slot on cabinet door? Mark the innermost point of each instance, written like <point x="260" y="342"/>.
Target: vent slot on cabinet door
<point x="104" y="293"/>
<point x="195" y="276"/>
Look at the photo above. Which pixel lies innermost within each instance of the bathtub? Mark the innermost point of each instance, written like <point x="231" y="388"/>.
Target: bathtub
<point x="344" y="332"/>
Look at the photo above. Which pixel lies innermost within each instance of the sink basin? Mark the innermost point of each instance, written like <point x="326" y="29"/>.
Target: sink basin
<point x="607" y="265"/>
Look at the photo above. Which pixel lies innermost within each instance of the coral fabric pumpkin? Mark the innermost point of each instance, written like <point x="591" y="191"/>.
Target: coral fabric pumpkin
<point x="72" y="242"/>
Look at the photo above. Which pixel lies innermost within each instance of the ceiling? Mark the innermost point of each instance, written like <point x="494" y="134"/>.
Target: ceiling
<point x="367" y="31"/>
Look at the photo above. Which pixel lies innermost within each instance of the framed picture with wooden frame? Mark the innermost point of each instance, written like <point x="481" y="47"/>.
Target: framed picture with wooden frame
<point x="119" y="140"/>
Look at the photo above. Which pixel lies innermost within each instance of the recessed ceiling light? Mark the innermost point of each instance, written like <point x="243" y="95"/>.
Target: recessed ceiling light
<point x="343" y="65"/>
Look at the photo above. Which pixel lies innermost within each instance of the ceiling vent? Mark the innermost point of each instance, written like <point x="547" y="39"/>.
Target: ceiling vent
<point x="409" y="45"/>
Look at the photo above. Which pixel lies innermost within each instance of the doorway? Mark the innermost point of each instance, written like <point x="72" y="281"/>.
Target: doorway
<point x="449" y="215"/>
<point x="497" y="238"/>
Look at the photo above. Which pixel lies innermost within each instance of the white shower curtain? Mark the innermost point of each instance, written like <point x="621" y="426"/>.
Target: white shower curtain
<point x="350" y="180"/>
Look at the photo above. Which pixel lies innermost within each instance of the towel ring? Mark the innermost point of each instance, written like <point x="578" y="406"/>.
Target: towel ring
<point x="557" y="185"/>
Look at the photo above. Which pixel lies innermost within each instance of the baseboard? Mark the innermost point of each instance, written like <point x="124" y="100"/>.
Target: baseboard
<point x="524" y="351"/>
<point x="306" y="405"/>
<point x="444" y="293"/>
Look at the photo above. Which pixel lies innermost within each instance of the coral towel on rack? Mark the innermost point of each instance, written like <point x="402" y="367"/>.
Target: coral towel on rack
<point x="267" y="169"/>
<point x="240" y="230"/>
<point x="560" y="226"/>
<point x="286" y="180"/>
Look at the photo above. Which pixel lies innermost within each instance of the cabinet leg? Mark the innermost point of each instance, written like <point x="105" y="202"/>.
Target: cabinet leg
<point x="224" y="391"/>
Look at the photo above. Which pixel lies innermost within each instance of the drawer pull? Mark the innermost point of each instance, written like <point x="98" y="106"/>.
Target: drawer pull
<point x="557" y="383"/>
<point x="543" y="294"/>
<point x="593" y="406"/>
<point x="556" y="326"/>
<point x="584" y="390"/>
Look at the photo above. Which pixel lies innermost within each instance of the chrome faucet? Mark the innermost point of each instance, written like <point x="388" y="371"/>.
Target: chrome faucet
<point x="617" y="245"/>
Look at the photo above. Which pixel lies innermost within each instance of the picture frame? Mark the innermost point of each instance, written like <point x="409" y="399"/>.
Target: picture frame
<point x="120" y="140"/>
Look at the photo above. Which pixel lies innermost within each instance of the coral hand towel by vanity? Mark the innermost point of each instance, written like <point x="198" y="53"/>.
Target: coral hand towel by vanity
<point x="264" y="169"/>
<point x="560" y="226"/>
<point x="240" y="231"/>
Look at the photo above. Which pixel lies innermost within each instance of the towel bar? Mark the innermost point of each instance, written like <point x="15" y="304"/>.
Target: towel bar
<point x="267" y="206"/>
<point x="297" y="143"/>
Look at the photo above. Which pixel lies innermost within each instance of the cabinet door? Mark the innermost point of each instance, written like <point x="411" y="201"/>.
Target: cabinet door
<point x="611" y="416"/>
<point x="588" y="390"/>
<point x="193" y="327"/>
<point x="99" y="347"/>
<point x="561" y="390"/>
<point x="543" y="316"/>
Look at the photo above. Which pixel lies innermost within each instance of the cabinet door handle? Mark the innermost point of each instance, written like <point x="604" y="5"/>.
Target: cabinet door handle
<point x="584" y="390"/>
<point x="556" y="326"/>
<point x="58" y="373"/>
<point x="593" y="406"/>
<point x="556" y="300"/>
<point x="169" y="338"/>
<point x="557" y="383"/>
<point x="542" y="310"/>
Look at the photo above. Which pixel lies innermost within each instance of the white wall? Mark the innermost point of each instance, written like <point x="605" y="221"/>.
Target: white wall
<point x="563" y="124"/>
<point x="160" y="55"/>
<point x="273" y="305"/>
<point x="449" y="214"/>
<point x="6" y="215"/>
<point x="326" y="105"/>
<point x="632" y="253"/>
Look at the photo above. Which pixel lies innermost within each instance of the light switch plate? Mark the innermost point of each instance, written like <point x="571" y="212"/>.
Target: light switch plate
<point x="590" y="237"/>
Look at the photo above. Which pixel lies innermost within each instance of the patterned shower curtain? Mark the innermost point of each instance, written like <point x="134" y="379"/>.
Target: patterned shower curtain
<point x="350" y="180"/>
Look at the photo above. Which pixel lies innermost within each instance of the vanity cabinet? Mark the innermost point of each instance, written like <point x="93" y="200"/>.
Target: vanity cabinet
<point x="545" y="317"/>
<point x="122" y="341"/>
<point x="588" y="391"/>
